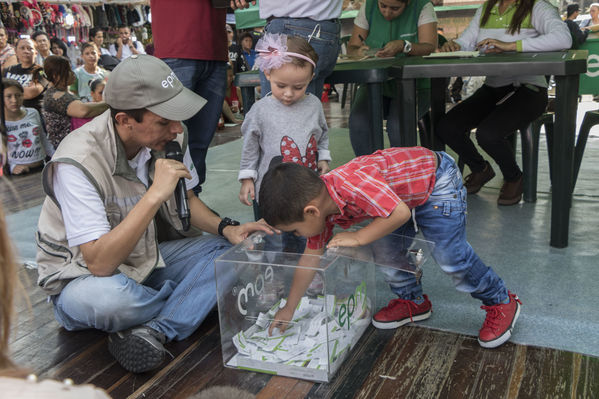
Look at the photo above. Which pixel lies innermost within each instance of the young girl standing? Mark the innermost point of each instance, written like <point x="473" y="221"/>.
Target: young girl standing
<point x="26" y="144"/>
<point x="87" y="72"/>
<point x="288" y="124"/>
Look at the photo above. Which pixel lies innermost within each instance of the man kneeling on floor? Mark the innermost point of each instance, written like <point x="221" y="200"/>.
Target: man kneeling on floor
<point x="112" y="252"/>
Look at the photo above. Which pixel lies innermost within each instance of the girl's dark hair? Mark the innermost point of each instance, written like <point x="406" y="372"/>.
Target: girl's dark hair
<point x="93" y="84"/>
<point x="60" y="44"/>
<point x="94" y="31"/>
<point x="524" y="9"/>
<point x="301" y="46"/>
<point x="57" y="70"/>
<point x="12" y="83"/>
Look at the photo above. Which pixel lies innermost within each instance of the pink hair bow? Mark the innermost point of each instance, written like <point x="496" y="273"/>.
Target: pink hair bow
<point x="273" y="54"/>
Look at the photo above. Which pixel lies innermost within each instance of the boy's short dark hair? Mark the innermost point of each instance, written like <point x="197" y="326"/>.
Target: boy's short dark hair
<point x="286" y="189"/>
<point x="39" y="33"/>
<point x="244" y="35"/>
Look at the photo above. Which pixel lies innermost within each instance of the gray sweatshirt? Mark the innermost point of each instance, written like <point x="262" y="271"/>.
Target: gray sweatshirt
<point x="283" y="133"/>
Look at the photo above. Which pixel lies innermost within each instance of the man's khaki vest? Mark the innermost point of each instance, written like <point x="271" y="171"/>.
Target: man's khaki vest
<point x="97" y="150"/>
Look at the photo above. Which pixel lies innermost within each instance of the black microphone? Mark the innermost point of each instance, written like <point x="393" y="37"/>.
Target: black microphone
<point x="173" y="151"/>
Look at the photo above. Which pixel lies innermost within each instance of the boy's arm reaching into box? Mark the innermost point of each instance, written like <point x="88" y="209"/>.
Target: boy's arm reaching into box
<point x="301" y="280"/>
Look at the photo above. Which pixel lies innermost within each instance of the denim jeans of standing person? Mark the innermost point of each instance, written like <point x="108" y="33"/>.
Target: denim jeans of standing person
<point x="209" y="80"/>
<point x="173" y="300"/>
<point x="442" y="219"/>
<point x="359" y="120"/>
<point x="324" y="38"/>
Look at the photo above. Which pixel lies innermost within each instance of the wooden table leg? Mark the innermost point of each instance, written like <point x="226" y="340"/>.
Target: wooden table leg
<point x="563" y="157"/>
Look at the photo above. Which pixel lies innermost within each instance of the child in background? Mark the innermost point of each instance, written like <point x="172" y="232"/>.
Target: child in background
<point x="87" y="72"/>
<point x="390" y="187"/>
<point x="26" y="144"/>
<point x="96" y="87"/>
<point x="232" y="103"/>
<point x="288" y="125"/>
<point x="97" y="90"/>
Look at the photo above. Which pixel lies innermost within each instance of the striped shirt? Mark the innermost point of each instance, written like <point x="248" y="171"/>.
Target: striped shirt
<point x="373" y="185"/>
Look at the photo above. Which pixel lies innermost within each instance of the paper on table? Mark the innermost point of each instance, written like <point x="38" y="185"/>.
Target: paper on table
<point x="453" y="54"/>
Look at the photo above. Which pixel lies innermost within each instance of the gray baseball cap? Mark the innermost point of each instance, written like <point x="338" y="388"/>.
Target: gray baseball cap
<point x="144" y="81"/>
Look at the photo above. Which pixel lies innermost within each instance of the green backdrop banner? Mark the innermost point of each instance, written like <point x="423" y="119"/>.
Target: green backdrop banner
<point x="589" y="82"/>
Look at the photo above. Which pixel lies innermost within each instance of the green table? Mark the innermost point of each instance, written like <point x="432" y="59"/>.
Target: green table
<point x="565" y="66"/>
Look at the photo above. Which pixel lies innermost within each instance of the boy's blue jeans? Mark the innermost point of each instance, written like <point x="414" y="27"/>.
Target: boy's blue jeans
<point x="442" y="220"/>
<point x="173" y="300"/>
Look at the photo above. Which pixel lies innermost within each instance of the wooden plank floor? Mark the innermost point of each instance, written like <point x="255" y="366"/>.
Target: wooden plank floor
<point x="422" y="363"/>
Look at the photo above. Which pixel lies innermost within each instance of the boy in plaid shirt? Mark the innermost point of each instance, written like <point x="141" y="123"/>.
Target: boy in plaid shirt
<point x="387" y="187"/>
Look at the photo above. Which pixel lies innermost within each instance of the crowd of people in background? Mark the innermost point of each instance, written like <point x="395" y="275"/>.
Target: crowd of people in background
<point x="51" y="91"/>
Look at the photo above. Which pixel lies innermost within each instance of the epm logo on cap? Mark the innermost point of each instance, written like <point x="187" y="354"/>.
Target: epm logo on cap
<point x="169" y="80"/>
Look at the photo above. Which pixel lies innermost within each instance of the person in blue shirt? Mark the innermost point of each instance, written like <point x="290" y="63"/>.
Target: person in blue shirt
<point x="247" y="52"/>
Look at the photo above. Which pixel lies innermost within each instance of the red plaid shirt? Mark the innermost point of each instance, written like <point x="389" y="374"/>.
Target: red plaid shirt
<point x="373" y="185"/>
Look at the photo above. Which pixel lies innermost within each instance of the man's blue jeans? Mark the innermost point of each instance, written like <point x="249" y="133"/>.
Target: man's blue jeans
<point x="209" y="80"/>
<point x="173" y="300"/>
<point x="324" y="38"/>
<point x="442" y="220"/>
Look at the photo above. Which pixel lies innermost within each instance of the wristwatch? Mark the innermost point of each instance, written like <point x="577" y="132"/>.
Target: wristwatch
<point x="407" y="47"/>
<point x="226" y="222"/>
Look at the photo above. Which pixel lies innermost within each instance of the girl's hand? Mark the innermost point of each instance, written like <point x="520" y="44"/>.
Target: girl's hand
<point x="391" y="49"/>
<point x="323" y="167"/>
<point x="491" y="46"/>
<point x="247" y="191"/>
<point x="450" y="46"/>
<point x="344" y="239"/>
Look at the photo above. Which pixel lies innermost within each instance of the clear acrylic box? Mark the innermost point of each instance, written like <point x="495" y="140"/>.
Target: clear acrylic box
<point x="253" y="279"/>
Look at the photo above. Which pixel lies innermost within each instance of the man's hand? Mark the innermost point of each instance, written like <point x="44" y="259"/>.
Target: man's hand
<point x="323" y="167"/>
<point x="450" y="46"/>
<point x="119" y="42"/>
<point x="236" y="234"/>
<point x="491" y="46"/>
<point x="166" y="175"/>
<point x="247" y="191"/>
<point x="281" y="321"/>
<point x="238" y="4"/>
<point x="391" y="49"/>
<point x="345" y="239"/>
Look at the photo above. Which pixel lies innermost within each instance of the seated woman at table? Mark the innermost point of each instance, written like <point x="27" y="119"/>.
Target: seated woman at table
<point x="504" y="103"/>
<point x="395" y="28"/>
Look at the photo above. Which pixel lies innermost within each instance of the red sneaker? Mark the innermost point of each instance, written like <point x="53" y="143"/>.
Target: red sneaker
<point x="498" y="325"/>
<point x="402" y="311"/>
